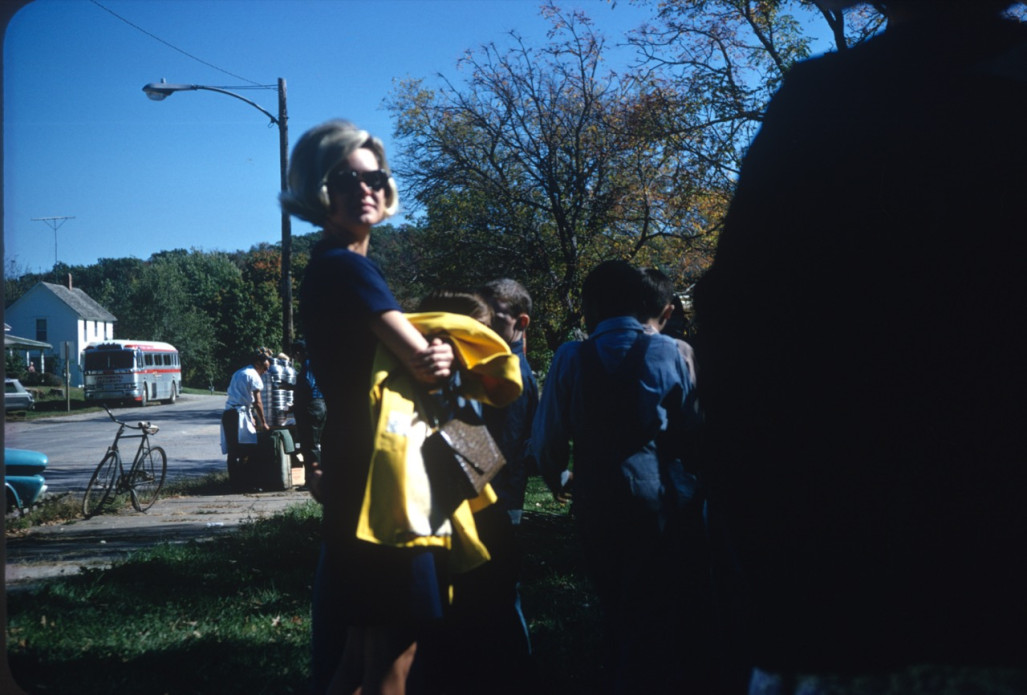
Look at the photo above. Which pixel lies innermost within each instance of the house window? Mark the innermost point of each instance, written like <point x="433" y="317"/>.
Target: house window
<point x="41" y="330"/>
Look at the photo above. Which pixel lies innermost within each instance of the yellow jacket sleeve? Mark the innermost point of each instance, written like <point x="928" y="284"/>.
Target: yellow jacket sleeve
<point x="481" y="350"/>
<point x="396" y="508"/>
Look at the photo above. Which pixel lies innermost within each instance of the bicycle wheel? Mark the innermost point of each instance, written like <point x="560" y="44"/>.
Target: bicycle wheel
<point x="147" y="477"/>
<point x="98" y="491"/>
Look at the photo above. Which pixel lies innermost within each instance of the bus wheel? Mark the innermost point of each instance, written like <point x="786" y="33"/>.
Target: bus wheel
<point x="174" y="394"/>
<point x="146" y="396"/>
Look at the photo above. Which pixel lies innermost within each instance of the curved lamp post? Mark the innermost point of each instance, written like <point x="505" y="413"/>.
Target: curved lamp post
<point x="158" y="91"/>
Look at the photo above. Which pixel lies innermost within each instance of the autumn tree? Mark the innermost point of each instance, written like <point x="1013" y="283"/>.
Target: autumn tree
<point x="726" y="58"/>
<point x="260" y="314"/>
<point x="538" y="167"/>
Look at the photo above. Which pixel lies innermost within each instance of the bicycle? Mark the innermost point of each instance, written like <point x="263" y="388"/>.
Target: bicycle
<point x="144" y="478"/>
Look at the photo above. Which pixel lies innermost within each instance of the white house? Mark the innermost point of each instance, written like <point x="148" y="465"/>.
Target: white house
<point x="61" y="316"/>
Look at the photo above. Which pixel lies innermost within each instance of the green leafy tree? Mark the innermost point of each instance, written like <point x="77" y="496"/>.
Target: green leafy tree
<point x="214" y="307"/>
<point x="112" y="283"/>
<point x="163" y="308"/>
<point x="207" y="324"/>
<point x="398" y="251"/>
<point x="536" y="169"/>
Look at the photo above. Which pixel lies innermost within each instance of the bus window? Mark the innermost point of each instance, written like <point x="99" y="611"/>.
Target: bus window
<point x="98" y="361"/>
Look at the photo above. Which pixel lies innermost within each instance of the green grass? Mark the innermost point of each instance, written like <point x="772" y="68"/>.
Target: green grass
<point x="209" y="484"/>
<point x="49" y="405"/>
<point x="201" y="392"/>
<point x="49" y="510"/>
<point x="228" y="615"/>
<point x="232" y="614"/>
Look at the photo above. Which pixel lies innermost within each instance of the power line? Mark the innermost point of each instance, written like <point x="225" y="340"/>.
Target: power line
<point x="176" y="48"/>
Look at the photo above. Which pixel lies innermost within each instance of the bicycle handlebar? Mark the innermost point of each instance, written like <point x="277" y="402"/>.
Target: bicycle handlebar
<point x="148" y="427"/>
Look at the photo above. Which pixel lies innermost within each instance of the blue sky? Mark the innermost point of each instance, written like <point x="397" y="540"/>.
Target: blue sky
<point x="200" y="169"/>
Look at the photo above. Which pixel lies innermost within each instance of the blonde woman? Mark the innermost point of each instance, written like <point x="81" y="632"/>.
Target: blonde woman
<point x="375" y="607"/>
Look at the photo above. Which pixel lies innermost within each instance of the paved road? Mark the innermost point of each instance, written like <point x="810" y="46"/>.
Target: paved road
<point x="190" y="434"/>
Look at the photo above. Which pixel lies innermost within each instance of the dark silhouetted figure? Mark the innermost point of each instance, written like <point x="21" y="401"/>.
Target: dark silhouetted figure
<point x="861" y="339"/>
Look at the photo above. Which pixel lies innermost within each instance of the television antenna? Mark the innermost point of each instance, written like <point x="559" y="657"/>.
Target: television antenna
<point x="55" y="224"/>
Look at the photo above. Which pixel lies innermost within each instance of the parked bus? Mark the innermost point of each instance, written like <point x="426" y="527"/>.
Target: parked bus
<point x="131" y="370"/>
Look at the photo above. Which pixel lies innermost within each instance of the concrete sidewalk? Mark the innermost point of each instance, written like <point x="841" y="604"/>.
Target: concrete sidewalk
<point x="50" y="551"/>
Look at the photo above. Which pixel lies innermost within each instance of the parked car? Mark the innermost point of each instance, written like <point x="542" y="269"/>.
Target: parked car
<point x="23" y="477"/>
<point x="16" y="397"/>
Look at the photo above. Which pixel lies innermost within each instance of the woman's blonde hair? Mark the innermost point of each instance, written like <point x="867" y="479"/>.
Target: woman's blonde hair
<point x="316" y="155"/>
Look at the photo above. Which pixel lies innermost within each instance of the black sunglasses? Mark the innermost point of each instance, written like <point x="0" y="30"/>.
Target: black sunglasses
<point x="348" y="179"/>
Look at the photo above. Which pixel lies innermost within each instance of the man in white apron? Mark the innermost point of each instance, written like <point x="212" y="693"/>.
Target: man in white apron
<point x="244" y="412"/>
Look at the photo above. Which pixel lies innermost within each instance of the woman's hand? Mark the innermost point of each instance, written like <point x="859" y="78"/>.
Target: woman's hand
<point x="429" y="361"/>
<point x="434" y="363"/>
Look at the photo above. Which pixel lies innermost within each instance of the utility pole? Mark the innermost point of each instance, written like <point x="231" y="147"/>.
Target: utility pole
<point x="158" y="91"/>
<point x="283" y="153"/>
<point x="55" y="224"/>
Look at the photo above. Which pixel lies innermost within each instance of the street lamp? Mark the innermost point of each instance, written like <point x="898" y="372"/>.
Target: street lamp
<point x="158" y="91"/>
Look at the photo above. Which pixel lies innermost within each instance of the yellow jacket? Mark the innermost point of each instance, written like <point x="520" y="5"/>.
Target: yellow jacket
<point x="397" y="498"/>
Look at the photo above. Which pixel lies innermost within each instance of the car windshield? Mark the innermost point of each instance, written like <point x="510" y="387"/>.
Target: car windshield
<point x="10" y="387"/>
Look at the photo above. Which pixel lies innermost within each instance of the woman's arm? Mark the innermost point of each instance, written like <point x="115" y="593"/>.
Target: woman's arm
<point x="429" y="362"/>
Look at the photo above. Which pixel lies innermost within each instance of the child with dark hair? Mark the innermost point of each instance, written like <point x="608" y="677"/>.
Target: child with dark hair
<point x="622" y="398"/>
<point x="511" y="426"/>
<point x="658" y="306"/>
<point x="455" y="302"/>
<point x="486" y="631"/>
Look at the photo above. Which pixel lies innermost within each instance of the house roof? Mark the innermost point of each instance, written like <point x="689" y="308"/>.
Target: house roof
<point x="13" y="341"/>
<point x="80" y="302"/>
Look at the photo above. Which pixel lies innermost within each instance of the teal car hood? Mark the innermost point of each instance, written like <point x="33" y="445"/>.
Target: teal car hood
<point x="23" y="476"/>
<point x="24" y="462"/>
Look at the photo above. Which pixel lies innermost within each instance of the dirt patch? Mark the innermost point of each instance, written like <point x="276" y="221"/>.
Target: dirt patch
<point x="43" y="552"/>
